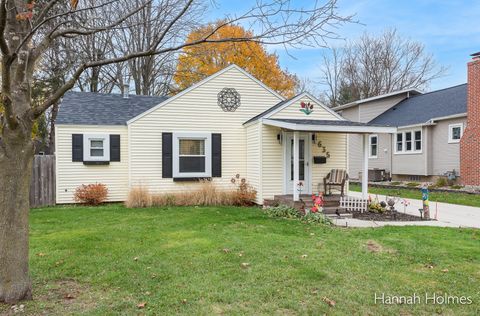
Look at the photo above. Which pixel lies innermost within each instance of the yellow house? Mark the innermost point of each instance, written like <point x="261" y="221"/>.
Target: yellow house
<point x="229" y="123"/>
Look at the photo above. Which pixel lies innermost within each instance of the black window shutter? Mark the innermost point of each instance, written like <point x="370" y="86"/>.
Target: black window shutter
<point x="114" y="147"/>
<point x="77" y="147"/>
<point x="216" y="155"/>
<point x="167" y="155"/>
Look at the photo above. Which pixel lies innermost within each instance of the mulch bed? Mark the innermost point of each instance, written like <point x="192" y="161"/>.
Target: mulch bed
<point x="387" y="216"/>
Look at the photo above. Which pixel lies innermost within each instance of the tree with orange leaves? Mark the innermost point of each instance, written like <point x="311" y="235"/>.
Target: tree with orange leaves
<point x="200" y="61"/>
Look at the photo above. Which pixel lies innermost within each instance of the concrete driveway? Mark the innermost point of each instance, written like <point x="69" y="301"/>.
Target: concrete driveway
<point x="447" y="215"/>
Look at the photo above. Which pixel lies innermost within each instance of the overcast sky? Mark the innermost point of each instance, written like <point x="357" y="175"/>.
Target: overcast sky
<point x="449" y="29"/>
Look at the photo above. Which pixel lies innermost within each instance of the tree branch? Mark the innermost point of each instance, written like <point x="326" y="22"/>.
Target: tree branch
<point x="3" y="23"/>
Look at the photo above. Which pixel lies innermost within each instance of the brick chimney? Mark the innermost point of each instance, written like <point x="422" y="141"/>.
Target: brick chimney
<point x="470" y="142"/>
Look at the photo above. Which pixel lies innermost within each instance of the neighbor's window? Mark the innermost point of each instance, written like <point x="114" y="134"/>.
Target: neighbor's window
<point x="455" y="132"/>
<point x="191" y="155"/>
<point x="409" y="142"/>
<point x="399" y="142"/>
<point x="373" y="145"/>
<point x="97" y="147"/>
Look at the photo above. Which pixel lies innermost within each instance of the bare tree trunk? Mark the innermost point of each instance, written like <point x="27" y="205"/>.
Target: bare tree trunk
<point x="16" y="155"/>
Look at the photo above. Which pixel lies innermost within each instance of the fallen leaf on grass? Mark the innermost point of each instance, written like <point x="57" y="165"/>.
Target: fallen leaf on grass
<point x="135" y="259"/>
<point x="41" y="254"/>
<point x="328" y="301"/>
<point x="315" y="291"/>
<point x="184" y="301"/>
<point x="142" y="305"/>
<point x="245" y="265"/>
<point x="445" y="270"/>
<point x="226" y="250"/>
<point x="69" y="296"/>
<point x="304" y="256"/>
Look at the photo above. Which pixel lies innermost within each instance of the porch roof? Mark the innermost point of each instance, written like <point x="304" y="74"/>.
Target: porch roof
<point x="333" y="126"/>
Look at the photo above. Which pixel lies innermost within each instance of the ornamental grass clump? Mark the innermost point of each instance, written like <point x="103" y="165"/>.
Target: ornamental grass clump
<point x="138" y="197"/>
<point x="91" y="194"/>
<point x="206" y="193"/>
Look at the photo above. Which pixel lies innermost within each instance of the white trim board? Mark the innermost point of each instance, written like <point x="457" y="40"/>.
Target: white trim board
<point x="200" y="83"/>
<point x="331" y="128"/>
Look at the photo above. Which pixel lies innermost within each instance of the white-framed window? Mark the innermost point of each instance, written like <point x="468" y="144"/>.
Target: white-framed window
<point x="373" y="146"/>
<point x="455" y="132"/>
<point x="96" y="147"/>
<point x="192" y="155"/>
<point x="408" y="142"/>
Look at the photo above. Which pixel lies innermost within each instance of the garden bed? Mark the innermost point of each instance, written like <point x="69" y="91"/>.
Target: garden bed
<point x="387" y="216"/>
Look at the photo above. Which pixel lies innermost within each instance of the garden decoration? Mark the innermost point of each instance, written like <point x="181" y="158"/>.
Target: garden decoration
<point x="317" y="202"/>
<point x="426" y="203"/>
<point x="300" y="187"/>
<point x="405" y="203"/>
<point x="228" y="99"/>
<point x="391" y="203"/>
<point x="306" y="108"/>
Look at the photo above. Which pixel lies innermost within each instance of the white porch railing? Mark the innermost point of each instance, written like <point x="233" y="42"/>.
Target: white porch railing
<point x="353" y="204"/>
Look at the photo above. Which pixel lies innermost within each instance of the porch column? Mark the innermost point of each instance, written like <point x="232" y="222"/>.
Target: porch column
<point x="296" y="170"/>
<point x="365" y="167"/>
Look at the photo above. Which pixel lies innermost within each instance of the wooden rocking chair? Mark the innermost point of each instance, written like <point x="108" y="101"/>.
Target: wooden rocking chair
<point x="336" y="177"/>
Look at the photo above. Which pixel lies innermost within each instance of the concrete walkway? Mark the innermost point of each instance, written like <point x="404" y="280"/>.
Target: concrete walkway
<point x="447" y="215"/>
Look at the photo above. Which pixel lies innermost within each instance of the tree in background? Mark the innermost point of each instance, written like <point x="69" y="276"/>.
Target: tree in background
<point x="29" y="30"/>
<point x="375" y="65"/>
<point x="200" y="61"/>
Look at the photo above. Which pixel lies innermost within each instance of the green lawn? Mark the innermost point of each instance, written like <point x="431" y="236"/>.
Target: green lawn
<point x="447" y="197"/>
<point x="107" y="260"/>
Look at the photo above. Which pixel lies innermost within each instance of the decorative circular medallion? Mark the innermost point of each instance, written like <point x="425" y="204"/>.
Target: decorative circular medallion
<point x="228" y="99"/>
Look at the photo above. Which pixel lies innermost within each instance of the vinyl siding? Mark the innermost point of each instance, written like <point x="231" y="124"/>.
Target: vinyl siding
<point x="370" y="110"/>
<point x="384" y="150"/>
<point x="364" y="113"/>
<point x="412" y="163"/>
<point x="253" y="134"/>
<point x="336" y="145"/>
<point x="445" y="157"/>
<point x="273" y="155"/>
<point x="272" y="163"/>
<point x="70" y="174"/>
<point x="198" y="111"/>
<point x="293" y="112"/>
<point x="354" y="145"/>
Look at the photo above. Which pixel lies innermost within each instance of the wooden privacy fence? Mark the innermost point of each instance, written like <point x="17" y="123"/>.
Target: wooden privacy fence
<point x="42" y="185"/>
<point x="353" y="204"/>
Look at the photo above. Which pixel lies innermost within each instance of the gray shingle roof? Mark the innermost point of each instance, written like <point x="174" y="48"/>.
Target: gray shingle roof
<point x="91" y="108"/>
<point x="424" y="107"/>
<point x="325" y="122"/>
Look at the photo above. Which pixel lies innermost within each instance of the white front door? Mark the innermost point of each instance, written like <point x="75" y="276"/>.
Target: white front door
<point x="304" y="158"/>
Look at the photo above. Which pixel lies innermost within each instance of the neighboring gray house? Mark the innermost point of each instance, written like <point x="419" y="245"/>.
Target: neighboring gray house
<point x="427" y="144"/>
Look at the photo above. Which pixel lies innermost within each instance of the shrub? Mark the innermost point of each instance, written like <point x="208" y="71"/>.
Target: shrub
<point x="456" y="187"/>
<point x="91" y="194"/>
<point x="316" y="218"/>
<point x="138" y="197"/>
<point x="283" y="211"/>
<point x="245" y="194"/>
<point x="441" y="182"/>
<point x="413" y="184"/>
<point x="395" y="183"/>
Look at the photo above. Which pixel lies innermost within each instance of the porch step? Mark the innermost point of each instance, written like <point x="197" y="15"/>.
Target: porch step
<point x="332" y="209"/>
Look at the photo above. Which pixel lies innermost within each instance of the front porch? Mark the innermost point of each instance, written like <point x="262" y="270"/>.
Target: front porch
<point x="302" y="159"/>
